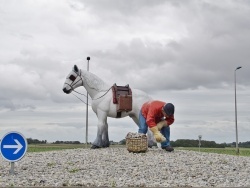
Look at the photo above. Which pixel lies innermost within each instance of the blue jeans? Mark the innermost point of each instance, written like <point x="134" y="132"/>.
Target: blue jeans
<point x="143" y="128"/>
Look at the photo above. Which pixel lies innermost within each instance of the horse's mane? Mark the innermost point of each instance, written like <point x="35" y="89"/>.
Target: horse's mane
<point x="94" y="81"/>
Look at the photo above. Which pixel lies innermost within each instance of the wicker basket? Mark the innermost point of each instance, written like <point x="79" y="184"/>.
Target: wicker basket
<point x="136" y="142"/>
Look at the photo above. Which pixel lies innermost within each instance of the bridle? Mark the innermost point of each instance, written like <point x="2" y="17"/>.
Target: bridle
<point x="73" y="78"/>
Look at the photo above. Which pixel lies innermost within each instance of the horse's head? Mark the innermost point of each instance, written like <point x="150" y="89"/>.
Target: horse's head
<point x="73" y="80"/>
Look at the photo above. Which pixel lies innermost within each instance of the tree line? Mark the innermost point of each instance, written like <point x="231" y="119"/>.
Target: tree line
<point x="195" y="143"/>
<point x="206" y="144"/>
<point x="36" y="141"/>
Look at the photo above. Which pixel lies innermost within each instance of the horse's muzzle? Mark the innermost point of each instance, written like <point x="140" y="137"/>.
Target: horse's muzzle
<point x="66" y="91"/>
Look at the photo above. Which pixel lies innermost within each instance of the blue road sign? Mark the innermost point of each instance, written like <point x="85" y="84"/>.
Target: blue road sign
<point x="13" y="146"/>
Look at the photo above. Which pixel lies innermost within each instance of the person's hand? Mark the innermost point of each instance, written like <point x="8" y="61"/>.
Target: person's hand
<point x="159" y="137"/>
<point x="157" y="134"/>
<point x="161" y="124"/>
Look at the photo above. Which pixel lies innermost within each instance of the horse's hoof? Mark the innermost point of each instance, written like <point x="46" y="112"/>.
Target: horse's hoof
<point x="105" y="145"/>
<point x="95" y="147"/>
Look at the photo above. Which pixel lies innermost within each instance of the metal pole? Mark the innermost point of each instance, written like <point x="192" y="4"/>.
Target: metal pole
<point x="236" y="128"/>
<point x="87" y="109"/>
<point x="200" y="142"/>
<point x="12" y="168"/>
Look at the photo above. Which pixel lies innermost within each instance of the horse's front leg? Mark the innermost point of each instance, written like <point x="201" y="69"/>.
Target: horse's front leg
<point x="105" y="135"/>
<point x="102" y="118"/>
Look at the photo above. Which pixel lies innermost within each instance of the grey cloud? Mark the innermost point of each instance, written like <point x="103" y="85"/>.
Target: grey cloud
<point x="216" y="44"/>
<point x="129" y="8"/>
<point x="6" y="104"/>
<point x="73" y="124"/>
<point x="173" y="66"/>
<point x="9" y="105"/>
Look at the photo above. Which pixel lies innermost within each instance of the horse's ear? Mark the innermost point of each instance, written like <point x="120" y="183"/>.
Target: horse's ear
<point x="76" y="68"/>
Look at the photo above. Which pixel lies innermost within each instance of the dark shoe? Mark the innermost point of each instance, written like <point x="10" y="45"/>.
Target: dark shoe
<point x="168" y="148"/>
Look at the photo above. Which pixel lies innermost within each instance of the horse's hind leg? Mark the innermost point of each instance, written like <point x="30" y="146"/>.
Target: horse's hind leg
<point x="135" y="119"/>
<point x="151" y="140"/>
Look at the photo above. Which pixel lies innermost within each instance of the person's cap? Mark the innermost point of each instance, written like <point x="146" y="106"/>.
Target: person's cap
<point x="169" y="109"/>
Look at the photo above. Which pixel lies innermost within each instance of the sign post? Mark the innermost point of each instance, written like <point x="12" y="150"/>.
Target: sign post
<point x="199" y="142"/>
<point x="13" y="147"/>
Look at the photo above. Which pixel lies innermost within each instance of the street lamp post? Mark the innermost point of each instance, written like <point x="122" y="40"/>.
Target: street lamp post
<point x="237" y="148"/>
<point x="87" y="109"/>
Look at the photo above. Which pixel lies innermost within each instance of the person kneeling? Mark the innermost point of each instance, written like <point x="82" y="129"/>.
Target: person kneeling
<point x="157" y="116"/>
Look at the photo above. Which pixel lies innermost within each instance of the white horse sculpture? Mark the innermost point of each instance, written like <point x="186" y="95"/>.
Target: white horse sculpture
<point x="102" y="102"/>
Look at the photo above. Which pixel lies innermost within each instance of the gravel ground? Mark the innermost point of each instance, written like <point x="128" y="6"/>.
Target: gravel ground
<point x="116" y="167"/>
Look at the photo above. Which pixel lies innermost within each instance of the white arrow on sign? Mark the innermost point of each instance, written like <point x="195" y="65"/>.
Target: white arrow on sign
<point x="18" y="147"/>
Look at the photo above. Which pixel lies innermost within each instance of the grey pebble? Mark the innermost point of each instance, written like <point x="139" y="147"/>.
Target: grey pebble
<point x="116" y="167"/>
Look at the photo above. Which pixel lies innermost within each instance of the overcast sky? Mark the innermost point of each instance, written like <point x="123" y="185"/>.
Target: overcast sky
<point x="184" y="52"/>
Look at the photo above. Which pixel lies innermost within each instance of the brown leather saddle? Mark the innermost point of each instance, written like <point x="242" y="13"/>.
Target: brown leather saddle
<point x="122" y="96"/>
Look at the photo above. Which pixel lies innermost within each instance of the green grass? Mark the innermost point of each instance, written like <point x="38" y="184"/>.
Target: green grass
<point x="52" y="147"/>
<point x="227" y="151"/>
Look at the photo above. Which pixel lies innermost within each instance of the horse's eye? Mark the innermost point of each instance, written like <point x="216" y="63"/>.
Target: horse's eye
<point x="72" y="78"/>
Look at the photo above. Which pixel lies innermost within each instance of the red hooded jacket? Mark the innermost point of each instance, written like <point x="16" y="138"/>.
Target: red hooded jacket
<point x="152" y="111"/>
